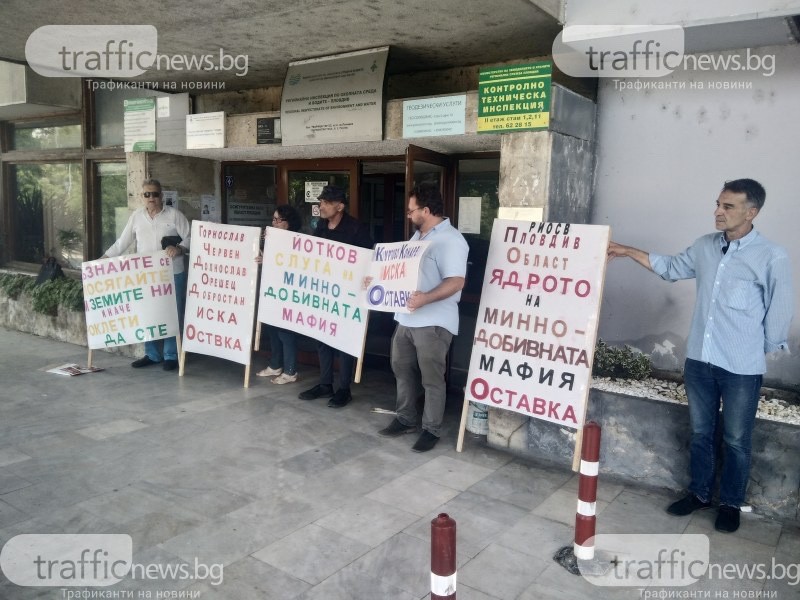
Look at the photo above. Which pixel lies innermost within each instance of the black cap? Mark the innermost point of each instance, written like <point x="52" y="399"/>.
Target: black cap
<point x="333" y="193"/>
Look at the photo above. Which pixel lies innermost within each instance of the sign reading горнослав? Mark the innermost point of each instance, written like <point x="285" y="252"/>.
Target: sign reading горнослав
<point x="221" y="292"/>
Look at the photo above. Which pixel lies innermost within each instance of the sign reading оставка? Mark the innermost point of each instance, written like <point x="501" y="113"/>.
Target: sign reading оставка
<point x="537" y="323"/>
<point x="221" y="293"/>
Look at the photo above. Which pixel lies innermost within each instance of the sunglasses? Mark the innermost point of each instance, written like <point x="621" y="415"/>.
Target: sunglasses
<point x="151" y="194"/>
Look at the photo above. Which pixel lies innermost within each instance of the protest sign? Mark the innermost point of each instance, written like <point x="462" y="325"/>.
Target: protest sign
<point x="537" y="323"/>
<point x="129" y="299"/>
<point x="313" y="286"/>
<point x="394" y="275"/>
<point x="221" y="291"/>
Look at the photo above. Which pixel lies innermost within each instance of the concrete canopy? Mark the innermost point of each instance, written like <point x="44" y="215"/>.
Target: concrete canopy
<point x="423" y="35"/>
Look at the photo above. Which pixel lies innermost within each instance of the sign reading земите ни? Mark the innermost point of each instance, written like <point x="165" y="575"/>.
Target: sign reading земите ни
<point x="220" y="298"/>
<point x="129" y="299"/>
<point x="535" y="336"/>
<point x="514" y="97"/>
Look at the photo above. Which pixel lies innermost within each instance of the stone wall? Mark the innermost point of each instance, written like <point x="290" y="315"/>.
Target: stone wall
<point x="68" y="326"/>
<point x="647" y="442"/>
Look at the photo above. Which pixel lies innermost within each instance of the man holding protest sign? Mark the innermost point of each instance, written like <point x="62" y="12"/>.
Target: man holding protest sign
<point x="742" y="311"/>
<point x="336" y="225"/>
<point x="422" y="338"/>
<point x="156" y="227"/>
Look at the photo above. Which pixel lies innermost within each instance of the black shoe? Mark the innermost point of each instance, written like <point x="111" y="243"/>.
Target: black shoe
<point x="687" y="505"/>
<point x="143" y="362"/>
<point x="727" y="519"/>
<point x="170" y="365"/>
<point x="318" y="391"/>
<point x="340" y="398"/>
<point x="396" y="428"/>
<point x="425" y="442"/>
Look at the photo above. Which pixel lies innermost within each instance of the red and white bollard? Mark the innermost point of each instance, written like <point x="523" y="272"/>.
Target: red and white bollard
<point x="587" y="492"/>
<point x="443" y="558"/>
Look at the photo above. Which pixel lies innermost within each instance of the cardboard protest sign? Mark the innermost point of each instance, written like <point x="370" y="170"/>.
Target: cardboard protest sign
<point x="313" y="286"/>
<point x="221" y="291"/>
<point x="394" y="275"/>
<point x="537" y="323"/>
<point x="129" y="299"/>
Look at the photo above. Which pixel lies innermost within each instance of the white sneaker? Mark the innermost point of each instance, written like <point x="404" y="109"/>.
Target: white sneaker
<point x="285" y="378"/>
<point x="269" y="372"/>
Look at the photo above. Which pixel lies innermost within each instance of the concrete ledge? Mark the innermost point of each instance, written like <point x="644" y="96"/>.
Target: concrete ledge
<point x="68" y="326"/>
<point x="647" y="441"/>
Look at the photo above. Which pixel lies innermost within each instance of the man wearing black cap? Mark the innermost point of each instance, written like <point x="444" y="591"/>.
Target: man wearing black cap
<point x="337" y="225"/>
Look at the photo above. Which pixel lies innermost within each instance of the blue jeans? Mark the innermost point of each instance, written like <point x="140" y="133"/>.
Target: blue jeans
<point x="153" y="349"/>
<point x="706" y="385"/>
<point x="283" y="344"/>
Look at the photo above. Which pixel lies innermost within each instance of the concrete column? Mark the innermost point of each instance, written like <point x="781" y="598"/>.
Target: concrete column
<point x="137" y="173"/>
<point x="553" y="171"/>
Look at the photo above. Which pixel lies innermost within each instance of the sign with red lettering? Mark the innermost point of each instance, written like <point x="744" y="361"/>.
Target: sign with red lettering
<point x="394" y="275"/>
<point x="535" y="336"/>
<point x="221" y="291"/>
<point x="129" y="300"/>
<point x="314" y="286"/>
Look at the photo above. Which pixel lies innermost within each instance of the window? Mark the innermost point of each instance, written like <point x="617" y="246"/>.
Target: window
<point x="47" y="212"/>
<point x="36" y="136"/>
<point x="479" y="178"/>
<point x="111" y="192"/>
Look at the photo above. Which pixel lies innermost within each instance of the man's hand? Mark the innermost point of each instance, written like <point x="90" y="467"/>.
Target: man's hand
<point x="640" y="256"/>
<point x="416" y="300"/>
<point x="173" y="251"/>
<point x="616" y="250"/>
<point x="365" y="283"/>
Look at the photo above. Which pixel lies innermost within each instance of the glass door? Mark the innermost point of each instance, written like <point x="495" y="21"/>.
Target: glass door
<point x="423" y="165"/>
<point x="303" y="181"/>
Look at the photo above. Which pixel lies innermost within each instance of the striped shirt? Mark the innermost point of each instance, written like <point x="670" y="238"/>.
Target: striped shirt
<point x="744" y="299"/>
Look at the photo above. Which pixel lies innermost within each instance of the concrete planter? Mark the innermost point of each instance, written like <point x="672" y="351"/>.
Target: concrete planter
<point x="647" y="441"/>
<point x="67" y="326"/>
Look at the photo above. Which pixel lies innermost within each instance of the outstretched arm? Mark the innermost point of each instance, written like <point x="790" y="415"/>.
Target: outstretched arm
<point x="640" y="256"/>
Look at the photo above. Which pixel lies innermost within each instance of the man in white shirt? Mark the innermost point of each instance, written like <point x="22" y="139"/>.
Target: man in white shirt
<point x="147" y="226"/>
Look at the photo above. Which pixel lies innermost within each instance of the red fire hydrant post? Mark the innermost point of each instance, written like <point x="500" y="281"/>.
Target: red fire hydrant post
<point x="585" y="518"/>
<point x="443" y="558"/>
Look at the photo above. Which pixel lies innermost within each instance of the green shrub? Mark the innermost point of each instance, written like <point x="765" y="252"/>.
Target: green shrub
<point x="620" y="363"/>
<point x="46" y="298"/>
<point x="13" y="284"/>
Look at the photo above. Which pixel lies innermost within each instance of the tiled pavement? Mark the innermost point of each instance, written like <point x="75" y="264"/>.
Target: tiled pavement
<point x="297" y="500"/>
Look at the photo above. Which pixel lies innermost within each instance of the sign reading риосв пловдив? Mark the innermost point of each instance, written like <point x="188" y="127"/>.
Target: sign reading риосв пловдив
<point x="514" y="98"/>
<point x="536" y="329"/>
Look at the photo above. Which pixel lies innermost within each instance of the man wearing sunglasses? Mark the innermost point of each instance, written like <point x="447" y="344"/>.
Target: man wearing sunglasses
<point x="148" y="226"/>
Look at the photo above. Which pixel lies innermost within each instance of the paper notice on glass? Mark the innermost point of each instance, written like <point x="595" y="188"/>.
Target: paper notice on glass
<point x="469" y="214"/>
<point x="170" y="198"/>
<point x="210" y="210"/>
<point x="162" y="107"/>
